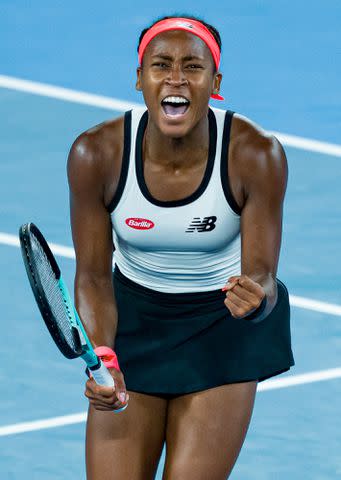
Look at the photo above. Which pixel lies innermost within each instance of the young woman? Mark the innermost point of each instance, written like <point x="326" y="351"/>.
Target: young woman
<point x="191" y="198"/>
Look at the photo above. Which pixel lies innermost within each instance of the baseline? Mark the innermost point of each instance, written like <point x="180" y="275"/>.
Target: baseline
<point x="272" y="384"/>
<point x="76" y="96"/>
<point x="300" y="302"/>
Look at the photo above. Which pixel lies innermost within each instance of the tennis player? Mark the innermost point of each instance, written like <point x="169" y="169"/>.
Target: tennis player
<point x="194" y="316"/>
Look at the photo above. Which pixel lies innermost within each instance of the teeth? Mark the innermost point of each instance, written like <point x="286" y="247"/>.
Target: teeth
<point x="175" y="100"/>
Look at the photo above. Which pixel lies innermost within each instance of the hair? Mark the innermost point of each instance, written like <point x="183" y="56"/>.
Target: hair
<point x="212" y="29"/>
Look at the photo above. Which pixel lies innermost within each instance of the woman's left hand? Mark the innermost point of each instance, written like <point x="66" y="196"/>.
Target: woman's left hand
<point x="243" y="295"/>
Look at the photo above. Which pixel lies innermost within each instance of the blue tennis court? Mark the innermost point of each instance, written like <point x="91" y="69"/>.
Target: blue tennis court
<point x="282" y="69"/>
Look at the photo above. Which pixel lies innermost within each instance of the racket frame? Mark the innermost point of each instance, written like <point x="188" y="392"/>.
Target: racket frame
<point x="83" y="345"/>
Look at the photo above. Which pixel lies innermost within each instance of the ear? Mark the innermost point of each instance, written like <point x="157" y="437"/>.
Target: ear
<point x="217" y="82"/>
<point x="138" y="79"/>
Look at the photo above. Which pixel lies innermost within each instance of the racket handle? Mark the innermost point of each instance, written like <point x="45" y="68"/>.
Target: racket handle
<point x="102" y="376"/>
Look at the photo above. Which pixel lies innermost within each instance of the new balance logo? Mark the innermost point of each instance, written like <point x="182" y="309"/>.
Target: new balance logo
<point x="207" y="224"/>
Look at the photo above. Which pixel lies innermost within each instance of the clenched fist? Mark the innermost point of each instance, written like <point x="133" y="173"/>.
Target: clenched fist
<point x="243" y="295"/>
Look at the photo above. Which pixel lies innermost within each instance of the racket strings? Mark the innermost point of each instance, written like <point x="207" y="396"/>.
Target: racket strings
<point x="29" y="263"/>
<point x="53" y="293"/>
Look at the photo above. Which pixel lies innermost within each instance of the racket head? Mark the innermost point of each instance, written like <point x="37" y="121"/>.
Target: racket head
<point x="44" y="275"/>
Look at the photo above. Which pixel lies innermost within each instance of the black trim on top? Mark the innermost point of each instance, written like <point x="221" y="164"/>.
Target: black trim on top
<point x="212" y="124"/>
<point x="125" y="163"/>
<point x="224" y="163"/>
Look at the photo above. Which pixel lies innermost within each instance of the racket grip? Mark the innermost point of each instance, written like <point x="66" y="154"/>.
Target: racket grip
<point x="102" y="376"/>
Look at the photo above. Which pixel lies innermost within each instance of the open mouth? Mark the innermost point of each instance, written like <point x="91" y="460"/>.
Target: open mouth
<point x="175" y="106"/>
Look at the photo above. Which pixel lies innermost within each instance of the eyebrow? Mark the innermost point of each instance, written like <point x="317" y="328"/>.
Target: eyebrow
<point x="186" y="58"/>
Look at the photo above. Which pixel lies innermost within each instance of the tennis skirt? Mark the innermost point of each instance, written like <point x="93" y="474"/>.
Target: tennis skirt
<point x="173" y="344"/>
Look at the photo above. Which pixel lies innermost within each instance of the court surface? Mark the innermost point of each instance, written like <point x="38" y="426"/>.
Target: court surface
<point x="283" y="70"/>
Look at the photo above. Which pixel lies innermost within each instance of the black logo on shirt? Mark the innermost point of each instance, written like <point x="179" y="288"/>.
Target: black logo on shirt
<point x="207" y="224"/>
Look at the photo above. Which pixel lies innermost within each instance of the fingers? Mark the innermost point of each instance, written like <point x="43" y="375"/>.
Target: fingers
<point x="107" y="405"/>
<point x="120" y="387"/>
<point x="251" y="286"/>
<point x="232" y="282"/>
<point x="246" y="283"/>
<point x="107" y="398"/>
<point x="238" y="307"/>
<point x="243" y="295"/>
<point x="104" y="402"/>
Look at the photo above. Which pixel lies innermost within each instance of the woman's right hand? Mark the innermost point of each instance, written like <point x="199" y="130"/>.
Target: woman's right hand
<point x="107" y="398"/>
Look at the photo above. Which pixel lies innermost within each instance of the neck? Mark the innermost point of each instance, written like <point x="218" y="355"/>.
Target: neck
<point x="176" y="153"/>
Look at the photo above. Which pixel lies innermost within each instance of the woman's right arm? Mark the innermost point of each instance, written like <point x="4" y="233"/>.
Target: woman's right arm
<point x="92" y="238"/>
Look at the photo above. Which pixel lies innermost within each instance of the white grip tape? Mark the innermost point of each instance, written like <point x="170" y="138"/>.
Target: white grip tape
<point x="102" y="376"/>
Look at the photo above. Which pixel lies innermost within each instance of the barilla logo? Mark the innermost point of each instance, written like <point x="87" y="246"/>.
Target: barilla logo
<point x="140" y="223"/>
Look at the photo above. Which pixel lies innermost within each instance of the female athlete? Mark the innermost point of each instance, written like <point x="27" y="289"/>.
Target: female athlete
<point x="190" y="199"/>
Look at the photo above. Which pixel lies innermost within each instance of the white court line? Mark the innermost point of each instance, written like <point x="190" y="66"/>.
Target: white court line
<point x="42" y="424"/>
<point x="301" y="302"/>
<point x="308" y="144"/>
<point x="58" y="250"/>
<point x="66" y="94"/>
<point x="307" y="303"/>
<point x="119" y="105"/>
<point x="85" y="98"/>
<point x="288" y="381"/>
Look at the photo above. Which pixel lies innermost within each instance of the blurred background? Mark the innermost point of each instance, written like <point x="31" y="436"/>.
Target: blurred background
<point x="281" y="63"/>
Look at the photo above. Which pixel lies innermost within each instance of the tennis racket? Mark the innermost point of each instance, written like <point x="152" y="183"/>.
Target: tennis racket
<point x="55" y="303"/>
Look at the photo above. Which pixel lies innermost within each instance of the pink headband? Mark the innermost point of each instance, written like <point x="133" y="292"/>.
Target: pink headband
<point x="188" y="25"/>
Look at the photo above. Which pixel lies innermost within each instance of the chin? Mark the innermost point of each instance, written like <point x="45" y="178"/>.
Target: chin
<point x="174" y="131"/>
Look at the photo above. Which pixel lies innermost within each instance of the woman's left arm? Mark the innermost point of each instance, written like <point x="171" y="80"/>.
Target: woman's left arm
<point x="263" y="172"/>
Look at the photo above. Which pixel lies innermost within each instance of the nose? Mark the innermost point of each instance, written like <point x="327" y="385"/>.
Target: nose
<point x="176" y="76"/>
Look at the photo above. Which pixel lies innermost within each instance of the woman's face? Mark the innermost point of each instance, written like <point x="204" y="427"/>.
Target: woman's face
<point x="177" y="78"/>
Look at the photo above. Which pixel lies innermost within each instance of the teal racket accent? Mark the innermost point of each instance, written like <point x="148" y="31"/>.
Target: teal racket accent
<point x="55" y="303"/>
<point x="88" y="354"/>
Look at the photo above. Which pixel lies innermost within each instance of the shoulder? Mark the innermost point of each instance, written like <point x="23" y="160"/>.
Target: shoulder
<point x="257" y="158"/>
<point x="95" y="156"/>
<point x="92" y="148"/>
<point x="251" y="143"/>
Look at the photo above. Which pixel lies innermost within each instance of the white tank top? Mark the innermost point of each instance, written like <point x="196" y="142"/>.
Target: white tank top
<point x="188" y="245"/>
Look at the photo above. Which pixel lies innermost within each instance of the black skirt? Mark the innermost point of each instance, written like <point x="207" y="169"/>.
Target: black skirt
<point x="172" y="344"/>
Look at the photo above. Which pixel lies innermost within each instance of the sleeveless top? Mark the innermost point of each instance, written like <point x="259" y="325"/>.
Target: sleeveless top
<point x="178" y="246"/>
